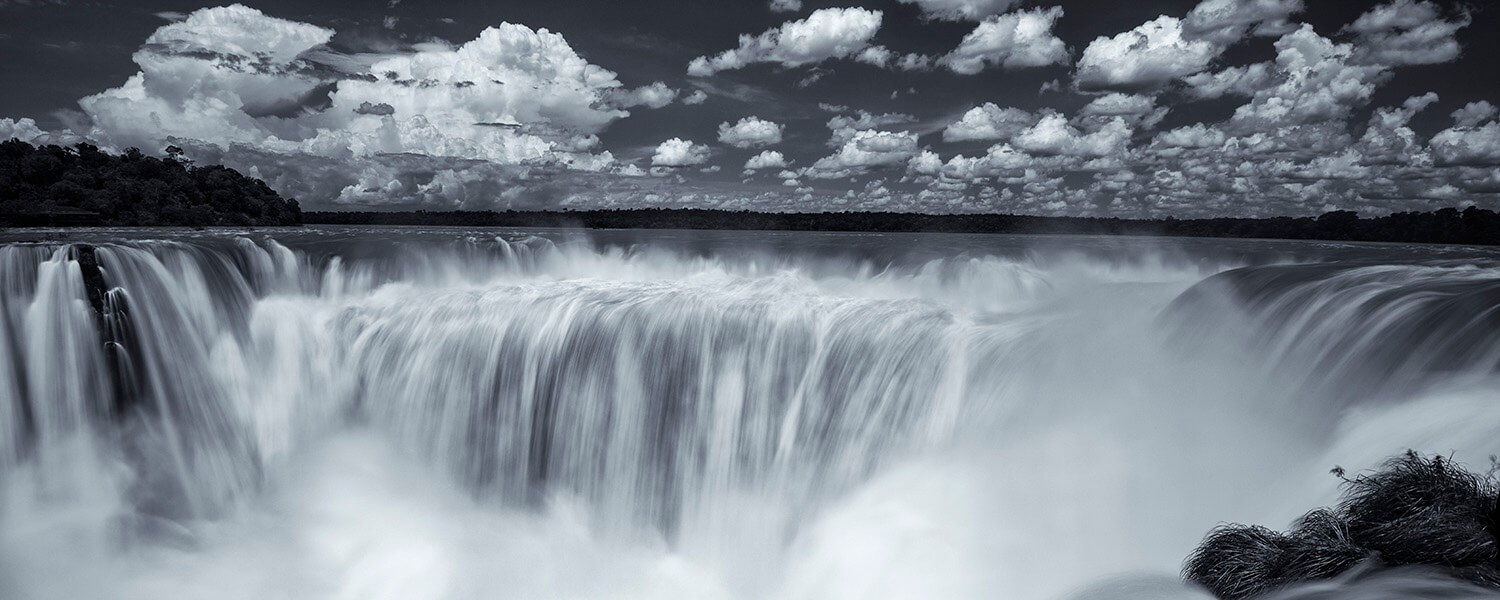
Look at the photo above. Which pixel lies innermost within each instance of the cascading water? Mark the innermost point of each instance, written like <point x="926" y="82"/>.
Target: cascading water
<point x="398" y="413"/>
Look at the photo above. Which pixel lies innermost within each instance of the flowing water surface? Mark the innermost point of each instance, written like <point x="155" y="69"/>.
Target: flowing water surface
<point x="410" y="413"/>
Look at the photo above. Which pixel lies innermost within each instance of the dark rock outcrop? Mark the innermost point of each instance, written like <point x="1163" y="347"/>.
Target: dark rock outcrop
<point x="112" y="321"/>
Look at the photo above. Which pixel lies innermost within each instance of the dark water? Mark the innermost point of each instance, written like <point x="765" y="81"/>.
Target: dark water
<point x="444" y="413"/>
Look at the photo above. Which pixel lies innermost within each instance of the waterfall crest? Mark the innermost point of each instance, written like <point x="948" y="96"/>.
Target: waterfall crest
<point x="410" y="410"/>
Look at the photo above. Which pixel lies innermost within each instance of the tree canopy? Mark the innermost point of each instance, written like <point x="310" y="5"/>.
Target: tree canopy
<point x="132" y="188"/>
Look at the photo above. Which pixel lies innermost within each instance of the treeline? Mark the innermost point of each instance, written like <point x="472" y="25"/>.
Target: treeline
<point x="1445" y="226"/>
<point x="83" y="185"/>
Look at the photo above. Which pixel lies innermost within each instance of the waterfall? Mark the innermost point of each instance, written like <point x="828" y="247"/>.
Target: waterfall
<point x="689" y="417"/>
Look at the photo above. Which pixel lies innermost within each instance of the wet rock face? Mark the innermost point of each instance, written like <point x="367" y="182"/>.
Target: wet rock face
<point x="93" y="278"/>
<point x="1414" y="512"/>
<point x="112" y="319"/>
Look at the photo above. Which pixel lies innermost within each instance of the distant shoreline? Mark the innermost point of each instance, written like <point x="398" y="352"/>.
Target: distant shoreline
<point x="82" y="186"/>
<point x="1472" y="226"/>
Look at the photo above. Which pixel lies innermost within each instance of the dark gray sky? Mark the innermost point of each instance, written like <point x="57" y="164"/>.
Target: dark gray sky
<point x="1212" y="107"/>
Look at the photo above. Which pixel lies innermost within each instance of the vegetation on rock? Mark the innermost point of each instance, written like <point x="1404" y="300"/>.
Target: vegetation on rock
<point x="1414" y="512"/>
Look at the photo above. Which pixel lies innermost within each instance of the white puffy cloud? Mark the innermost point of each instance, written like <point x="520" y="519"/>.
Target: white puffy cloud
<point x="1137" y="111"/>
<point x="514" y="118"/>
<point x="863" y="119"/>
<point x="1243" y="80"/>
<point x="509" y="74"/>
<point x="1472" y="146"/>
<point x="883" y="57"/>
<point x="1471" y="115"/>
<point x="240" y="31"/>
<point x="233" y="75"/>
<point x="844" y="127"/>
<point x="879" y="56"/>
<point x="1052" y="135"/>
<point x="989" y="122"/>
<point x="678" y="152"/>
<point x="768" y="159"/>
<point x="23" y="129"/>
<point x="825" y="34"/>
<point x="1227" y="21"/>
<point x="656" y="95"/>
<point x="864" y="150"/>
<point x="961" y="10"/>
<point x="1319" y="82"/>
<point x="926" y="163"/>
<point x="750" y="132"/>
<point x="213" y="76"/>
<point x="1148" y="56"/>
<point x="1000" y="160"/>
<point x="786" y="5"/>
<point x="1347" y="164"/>
<point x="1388" y="140"/>
<point x="1408" y="32"/>
<point x="1197" y="135"/>
<point x="1015" y="40"/>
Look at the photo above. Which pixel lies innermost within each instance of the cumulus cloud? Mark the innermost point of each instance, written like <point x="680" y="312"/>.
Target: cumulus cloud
<point x="1243" y="80"/>
<point x="825" y="34"/>
<point x="509" y="74"/>
<point x="1054" y="136"/>
<point x="510" y="118"/>
<point x="513" y="118"/>
<point x="23" y="129"/>
<point x="1408" y="32"/>
<point x="844" y="127"/>
<point x="678" y="152"/>
<point x="1289" y="147"/>
<point x="865" y="150"/>
<point x="926" y="163"/>
<point x="768" y="159"/>
<point x="656" y="95"/>
<point x="1228" y="21"/>
<point x="209" y="77"/>
<point x="750" y="132"/>
<point x="1148" y="56"/>
<point x="1140" y="112"/>
<point x="1015" y="40"/>
<point x="233" y="75"/>
<point x="1196" y="135"/>
<point x="1001" y="160"/>
<point x="989" y="122"/>
<point x="238" y="31"/>
<point x="1389" y="141"/>
<point x="961" y="10"/>
<point x="1319" y="82"/>
<point x="1471" y="115"/>
<point x="883" y="57"/>
<point x="1470" y="146"/>
<point x="786" y="5"/>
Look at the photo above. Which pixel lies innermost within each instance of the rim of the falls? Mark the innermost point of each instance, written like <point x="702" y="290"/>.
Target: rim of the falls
<point x="746" y="411"/>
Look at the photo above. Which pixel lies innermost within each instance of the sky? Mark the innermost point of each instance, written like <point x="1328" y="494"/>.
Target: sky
<point x="1134" y="109"/>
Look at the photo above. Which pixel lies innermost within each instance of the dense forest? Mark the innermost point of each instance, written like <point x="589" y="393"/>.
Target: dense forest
<point x="1445" y="226"/>
<point x="83" y="185"/>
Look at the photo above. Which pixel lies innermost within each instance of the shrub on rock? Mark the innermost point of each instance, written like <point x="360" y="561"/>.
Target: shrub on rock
<point x="1414" y="511"/>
